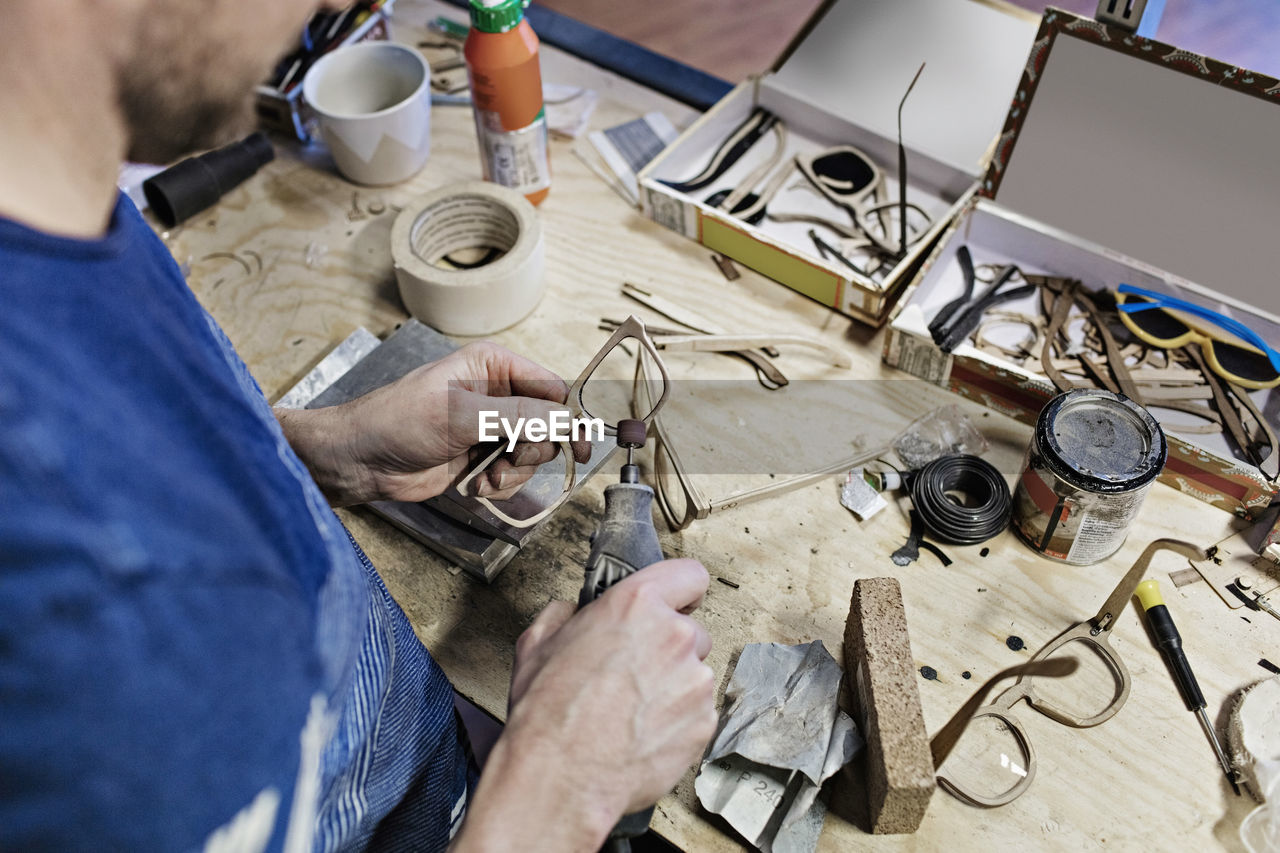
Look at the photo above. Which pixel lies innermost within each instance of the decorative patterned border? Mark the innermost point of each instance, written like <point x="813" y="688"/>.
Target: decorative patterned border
<point x="1057" y="22"/>
<point x="1226" y="484"/>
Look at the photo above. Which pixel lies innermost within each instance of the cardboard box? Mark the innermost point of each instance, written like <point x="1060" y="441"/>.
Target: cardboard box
<point x="1122" y="160"/>
<point x="285" y="111"/>
<point x="841" y="84"/>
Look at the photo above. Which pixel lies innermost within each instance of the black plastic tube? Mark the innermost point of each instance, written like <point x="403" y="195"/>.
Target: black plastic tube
<point x="186" y="188"/>
<point x="975" y="478"/>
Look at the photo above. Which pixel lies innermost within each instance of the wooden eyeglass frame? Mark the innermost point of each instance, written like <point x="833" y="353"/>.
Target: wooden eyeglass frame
<point x="1095" y="632"/>
<point x="633" y="327"/>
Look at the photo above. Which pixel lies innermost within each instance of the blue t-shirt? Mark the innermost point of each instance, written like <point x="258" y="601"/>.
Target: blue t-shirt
<point x="193" y="652"/>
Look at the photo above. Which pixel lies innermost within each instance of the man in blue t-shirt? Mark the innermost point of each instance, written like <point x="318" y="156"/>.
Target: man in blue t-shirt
<point x="193" y="652"/>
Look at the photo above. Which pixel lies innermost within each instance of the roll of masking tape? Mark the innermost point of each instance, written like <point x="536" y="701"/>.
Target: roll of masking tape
<point x="469" y="298"/>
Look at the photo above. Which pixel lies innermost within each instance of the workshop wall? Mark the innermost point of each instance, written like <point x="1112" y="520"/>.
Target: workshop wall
<point x="718" y="37"/>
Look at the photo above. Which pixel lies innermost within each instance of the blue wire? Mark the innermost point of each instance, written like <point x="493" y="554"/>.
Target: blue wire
<point x="1235" y="327"/>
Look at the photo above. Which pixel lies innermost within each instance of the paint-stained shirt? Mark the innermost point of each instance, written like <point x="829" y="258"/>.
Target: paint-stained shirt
<point x="194" y="655"/>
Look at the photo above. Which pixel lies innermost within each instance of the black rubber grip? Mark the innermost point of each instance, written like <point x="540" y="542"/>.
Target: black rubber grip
<point x="185" y="189"/>
<point x="1169" y="642"/>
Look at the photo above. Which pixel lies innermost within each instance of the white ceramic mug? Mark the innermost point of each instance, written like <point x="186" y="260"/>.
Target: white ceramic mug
<point x="373" y="101"/>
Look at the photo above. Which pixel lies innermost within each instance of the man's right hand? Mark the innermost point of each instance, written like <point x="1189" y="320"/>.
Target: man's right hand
<point x="609" y="706"/>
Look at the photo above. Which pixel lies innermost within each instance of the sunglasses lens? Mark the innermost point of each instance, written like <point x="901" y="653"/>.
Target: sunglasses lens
<point x="1236" y="363"/>
<point x="844" y="172"/>
<point x="1244" y="364"/>
<point x="1158" y="325"/>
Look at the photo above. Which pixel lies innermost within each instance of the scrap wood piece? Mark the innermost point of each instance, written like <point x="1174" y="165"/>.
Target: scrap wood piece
<point x="726" y="266"/>
<point x="886" y="701"/>
<point x="1167" y="375"/>
<point x="1157" y="393"/>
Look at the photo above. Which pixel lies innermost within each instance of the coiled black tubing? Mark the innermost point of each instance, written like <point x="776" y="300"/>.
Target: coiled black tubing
<point x="990" y="504"/>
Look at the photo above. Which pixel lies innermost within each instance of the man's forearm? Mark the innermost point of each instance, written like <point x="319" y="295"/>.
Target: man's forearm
<point x="318" y="438"/>
<point x="528" y="801"/>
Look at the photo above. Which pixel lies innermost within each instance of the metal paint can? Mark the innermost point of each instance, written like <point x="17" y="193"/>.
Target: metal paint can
<point x="1091" y="461"/>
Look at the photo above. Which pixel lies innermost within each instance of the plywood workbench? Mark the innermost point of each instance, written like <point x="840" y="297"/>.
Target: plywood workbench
<point x="295" y="259"/>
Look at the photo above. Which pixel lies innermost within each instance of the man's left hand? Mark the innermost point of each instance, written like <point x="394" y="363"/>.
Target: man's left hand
<point x="412" y="439"/>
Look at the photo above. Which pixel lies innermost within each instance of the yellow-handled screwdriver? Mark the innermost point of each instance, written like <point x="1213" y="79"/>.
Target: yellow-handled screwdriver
<point x="1169" y="641"/>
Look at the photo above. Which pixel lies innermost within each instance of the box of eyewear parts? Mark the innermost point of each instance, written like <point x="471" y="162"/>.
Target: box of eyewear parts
<point x="812" y="147"/>
<point x="1123" y="160"/>
<point x="279" y="102"/>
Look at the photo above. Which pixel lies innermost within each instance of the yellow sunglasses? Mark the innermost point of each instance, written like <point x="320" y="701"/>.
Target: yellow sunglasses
<point x="1248" y="361"/>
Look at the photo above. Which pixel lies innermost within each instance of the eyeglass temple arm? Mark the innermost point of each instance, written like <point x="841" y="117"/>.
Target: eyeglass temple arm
<point x="902" y="168"/>
<point x="800" y="481"/>
<point x="1124" y="590"/>
<point x="726" y="343"/>
<point x="1232" y="325"/>
<point x="945" y="740"/>
<point x="729" y="151"/>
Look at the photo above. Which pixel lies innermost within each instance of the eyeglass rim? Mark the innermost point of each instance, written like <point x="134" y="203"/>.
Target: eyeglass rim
<point x="696" y="505"/>
<point x="694" y="499"/>
<point x="1082" y="632"/>
<point x="1002" y="708"/>
<point x="633" y="327"/>
<point x="1207" y="343"/>
<point x="1095" y="630"/>
<point x="852" y="203"/>
<point x="570" y="480"/>
<point x="849" y="201"/>
<point x="1006" y="716"/>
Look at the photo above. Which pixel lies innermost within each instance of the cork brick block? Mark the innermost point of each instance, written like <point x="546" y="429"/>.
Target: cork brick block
<point x="886" y="699"/>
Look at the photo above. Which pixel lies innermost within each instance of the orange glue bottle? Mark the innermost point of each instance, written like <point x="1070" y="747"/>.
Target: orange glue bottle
<point x="501" y="52"/>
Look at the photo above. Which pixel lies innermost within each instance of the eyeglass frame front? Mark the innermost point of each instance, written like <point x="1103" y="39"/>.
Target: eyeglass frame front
<point x="633" y="327"/>
<point x="1088" y="632"/>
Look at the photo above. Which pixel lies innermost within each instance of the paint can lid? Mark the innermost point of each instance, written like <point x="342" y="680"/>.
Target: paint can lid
<point x="1100" y="441"/>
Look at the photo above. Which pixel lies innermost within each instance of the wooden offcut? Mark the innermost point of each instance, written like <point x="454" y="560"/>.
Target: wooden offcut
<point x="881" y="677"/>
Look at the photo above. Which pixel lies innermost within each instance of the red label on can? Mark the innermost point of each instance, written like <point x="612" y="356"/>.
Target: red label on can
<point x="1041" y="494"/>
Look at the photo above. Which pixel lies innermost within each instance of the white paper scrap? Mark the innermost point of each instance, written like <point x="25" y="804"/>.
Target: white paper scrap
<point x="629" y="147"/>
<point x="859" y="498"/>
<point x="568" y="108"/>
<point x="755" y="800"/>
<point x="130" y="180"/>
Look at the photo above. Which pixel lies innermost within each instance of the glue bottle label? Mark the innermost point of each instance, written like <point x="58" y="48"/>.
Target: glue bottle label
<point x="514" y="158"/>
